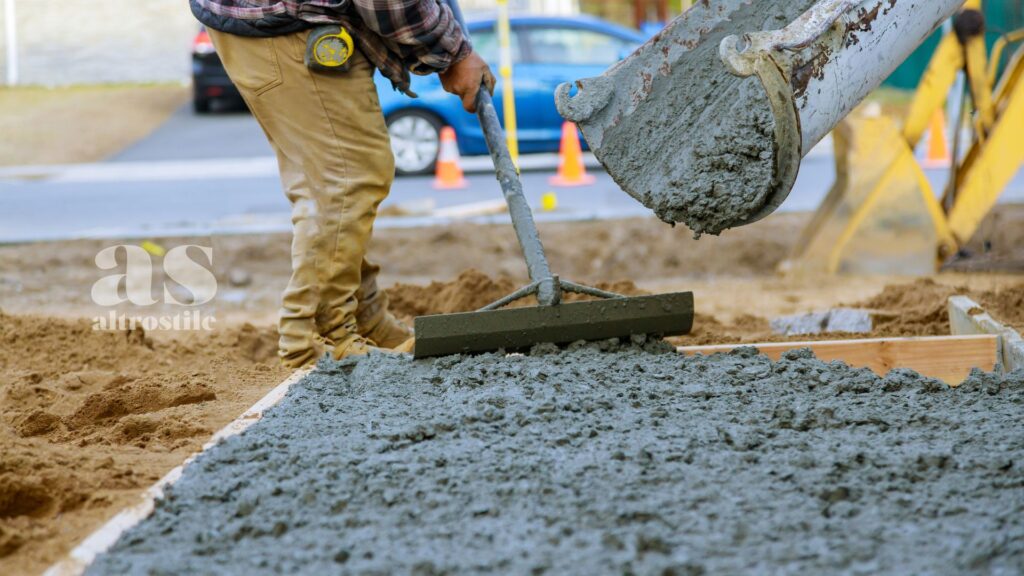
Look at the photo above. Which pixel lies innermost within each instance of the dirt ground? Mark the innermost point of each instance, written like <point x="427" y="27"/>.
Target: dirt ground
<point x="88" y="418"/>
<point x="732" y="276"/>
<point x="48" y="125"/>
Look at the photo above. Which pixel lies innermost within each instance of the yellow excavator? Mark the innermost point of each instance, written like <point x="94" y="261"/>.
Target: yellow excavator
<point x="882" y="214"/>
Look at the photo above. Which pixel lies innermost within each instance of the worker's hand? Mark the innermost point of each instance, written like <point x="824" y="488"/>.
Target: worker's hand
<point x="465" y="77"/>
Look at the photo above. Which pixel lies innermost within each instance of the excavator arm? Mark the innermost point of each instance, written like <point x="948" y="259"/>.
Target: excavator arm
<point x="995" y="154"/>
<point x="868" y="203"/>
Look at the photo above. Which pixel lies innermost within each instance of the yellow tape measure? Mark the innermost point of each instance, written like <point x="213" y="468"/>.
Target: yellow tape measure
<point x="329" y="48"/>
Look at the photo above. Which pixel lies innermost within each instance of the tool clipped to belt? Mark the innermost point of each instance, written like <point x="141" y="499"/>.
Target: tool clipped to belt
<point x="329" y="48"/>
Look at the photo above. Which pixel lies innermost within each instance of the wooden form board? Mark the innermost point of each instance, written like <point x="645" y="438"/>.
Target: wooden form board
<point x="967" y="317"/>
<point x="948" y="358"/>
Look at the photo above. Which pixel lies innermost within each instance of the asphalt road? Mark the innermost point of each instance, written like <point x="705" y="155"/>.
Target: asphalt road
<point x="189" y="136"/>
<point x="215" y="174"/>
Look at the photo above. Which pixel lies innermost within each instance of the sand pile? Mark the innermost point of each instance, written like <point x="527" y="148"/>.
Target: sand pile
<point x="710" y="330"/>
<point x="473" y="290"/>
<point x="87" y="418"/>
<point x="640" y="249"/>
<point x="920" y="308"/>
<point x="603" y="459"/>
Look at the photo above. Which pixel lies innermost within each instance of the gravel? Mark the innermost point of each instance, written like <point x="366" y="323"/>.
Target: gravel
<point x="604" y="459"/>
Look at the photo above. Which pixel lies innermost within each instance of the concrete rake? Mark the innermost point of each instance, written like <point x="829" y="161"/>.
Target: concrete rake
<point x="497" y="327"/>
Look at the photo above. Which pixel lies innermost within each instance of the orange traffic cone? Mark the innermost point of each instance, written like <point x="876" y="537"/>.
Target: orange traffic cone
<point x="448" y="175"/>
<point x="571" y="171"/>
<point x="938" y="151"/>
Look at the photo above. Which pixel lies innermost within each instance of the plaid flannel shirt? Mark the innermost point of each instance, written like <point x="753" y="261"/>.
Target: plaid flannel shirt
<point x="397" y="36"/>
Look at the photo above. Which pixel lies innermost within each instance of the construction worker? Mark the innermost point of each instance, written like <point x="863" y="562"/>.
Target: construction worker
<point x="332" y="145"/>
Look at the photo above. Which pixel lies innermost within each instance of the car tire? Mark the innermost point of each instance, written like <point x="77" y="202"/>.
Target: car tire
<point x="415" y="141"/>
<point x="201" y="105"/>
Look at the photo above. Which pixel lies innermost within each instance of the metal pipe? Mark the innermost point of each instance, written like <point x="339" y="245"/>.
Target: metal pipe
<point x="548" y="290"/>
<point x="837" y="52"/>
<point x="512" y="188"/>
<point x="11" y="33"/>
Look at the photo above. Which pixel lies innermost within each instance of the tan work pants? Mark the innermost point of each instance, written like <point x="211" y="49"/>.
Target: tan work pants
<point x="336" y="166"/>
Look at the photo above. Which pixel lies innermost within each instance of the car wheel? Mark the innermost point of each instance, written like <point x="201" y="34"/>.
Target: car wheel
<point x="415" y="141"/>
<point x="201" y="105"/>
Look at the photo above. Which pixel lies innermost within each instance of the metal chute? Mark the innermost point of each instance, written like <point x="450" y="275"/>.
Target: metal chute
<point x="812" y="62"/>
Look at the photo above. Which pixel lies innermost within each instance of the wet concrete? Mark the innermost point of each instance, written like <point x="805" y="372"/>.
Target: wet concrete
<point x="701" y="150"/>
<point x="615" y="461"/>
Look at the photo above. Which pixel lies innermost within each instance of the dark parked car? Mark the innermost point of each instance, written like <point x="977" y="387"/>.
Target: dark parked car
<point x="546" y="51"/>
<point x="209" y="80"/>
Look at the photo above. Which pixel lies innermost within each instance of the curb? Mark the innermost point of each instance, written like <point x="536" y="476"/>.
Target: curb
<point x="225" y="168"/>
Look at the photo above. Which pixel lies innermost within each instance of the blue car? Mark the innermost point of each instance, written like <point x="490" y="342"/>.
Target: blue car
<point x="546" y="51"/>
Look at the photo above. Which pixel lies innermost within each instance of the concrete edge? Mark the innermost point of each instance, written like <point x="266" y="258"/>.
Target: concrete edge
<point x="967" y="317"/>
<point x="106" y="535"/>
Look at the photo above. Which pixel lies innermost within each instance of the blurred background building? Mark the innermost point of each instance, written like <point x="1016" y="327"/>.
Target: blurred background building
<point x="63" y="42"/>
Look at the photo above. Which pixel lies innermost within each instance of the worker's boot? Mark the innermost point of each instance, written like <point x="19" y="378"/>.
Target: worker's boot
<point x="407" y="347"/>
<point x="305" y="354"/>
<point x="374" y="320"/>
<point x="353" y="345"/>
<point x="374" y="327"/>
<point x="387" y="332"/>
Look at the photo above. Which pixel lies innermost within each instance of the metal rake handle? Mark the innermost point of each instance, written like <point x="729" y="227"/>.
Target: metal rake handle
<point x="548" y="289"/>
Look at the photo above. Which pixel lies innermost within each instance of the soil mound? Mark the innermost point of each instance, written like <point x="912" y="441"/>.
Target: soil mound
<point x="920" y="308"/>
<point x="708" y="330"/>
<point x="914" y="309"/>
<point x="473" y="290"/>
<point x="1006" y="305"/>
<point x="88" y="417"/>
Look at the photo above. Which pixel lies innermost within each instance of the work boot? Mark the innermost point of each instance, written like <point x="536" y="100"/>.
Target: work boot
<point x="372" y="316"/>
<point x="354" y="345"/>
<point x="387" y="331"/>
<point x="406" y="347"/>
<point x="297" y="359"/>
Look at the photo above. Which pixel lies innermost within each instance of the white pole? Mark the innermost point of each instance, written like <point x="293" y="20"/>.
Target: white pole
<point x="11" y="33"/>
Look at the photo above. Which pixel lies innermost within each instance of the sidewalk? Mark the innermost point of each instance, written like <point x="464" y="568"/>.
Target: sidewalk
<point x="222" y="168"/>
